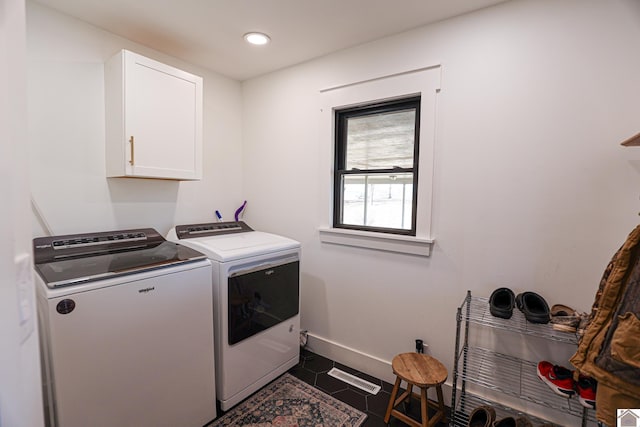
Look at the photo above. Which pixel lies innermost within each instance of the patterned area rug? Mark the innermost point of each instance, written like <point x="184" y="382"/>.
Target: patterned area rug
<point x="289" y="402"/>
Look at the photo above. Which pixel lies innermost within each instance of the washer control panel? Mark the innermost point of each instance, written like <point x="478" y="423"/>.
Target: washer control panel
<point x="50" y="248"/>
<point x="211" y="229"/>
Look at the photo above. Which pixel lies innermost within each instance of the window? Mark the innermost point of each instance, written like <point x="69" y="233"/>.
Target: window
<point x="366" y="180"/>
<point x="376" y="166"/>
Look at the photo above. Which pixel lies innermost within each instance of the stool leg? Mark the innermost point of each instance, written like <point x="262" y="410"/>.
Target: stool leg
<point x="392" y="399"/>
<point x="424" y="406"/>
<point x="441" y="401"/>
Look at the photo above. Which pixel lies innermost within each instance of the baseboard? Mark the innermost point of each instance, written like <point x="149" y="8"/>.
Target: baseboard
<point x="355" y="359"/>
<point x="363" y="362"/>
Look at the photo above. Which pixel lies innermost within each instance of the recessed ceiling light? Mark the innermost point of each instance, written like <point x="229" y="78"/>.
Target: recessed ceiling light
<point x="257" y="38"/>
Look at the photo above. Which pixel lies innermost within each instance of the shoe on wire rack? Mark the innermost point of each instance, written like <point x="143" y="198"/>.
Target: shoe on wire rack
<point x="501" y="303"/>
<point x="558" y="378"/>
<point x="533" y="306"/>
<point x="564" y="318"/>
<point x="586" y="388"/>
<point x="482" y="416"/>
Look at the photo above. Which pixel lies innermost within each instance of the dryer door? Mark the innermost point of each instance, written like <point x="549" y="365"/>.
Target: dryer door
<point x="262" y="298"/>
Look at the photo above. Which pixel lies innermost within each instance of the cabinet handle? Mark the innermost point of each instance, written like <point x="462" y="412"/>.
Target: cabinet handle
<point x="131" y="142"/>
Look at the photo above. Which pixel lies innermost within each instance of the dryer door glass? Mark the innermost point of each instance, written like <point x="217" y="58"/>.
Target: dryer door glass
<point x="260" y="299"/>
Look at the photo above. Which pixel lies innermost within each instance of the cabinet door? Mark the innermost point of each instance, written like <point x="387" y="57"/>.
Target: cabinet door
<point x="160" y="129"/>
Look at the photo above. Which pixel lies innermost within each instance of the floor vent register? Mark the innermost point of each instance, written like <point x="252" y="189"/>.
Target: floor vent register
<point x="354" y="381"/>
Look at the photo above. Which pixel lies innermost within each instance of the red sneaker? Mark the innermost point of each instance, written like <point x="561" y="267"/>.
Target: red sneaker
<point x="586" y="387"/>
<point x="558" y="378"/>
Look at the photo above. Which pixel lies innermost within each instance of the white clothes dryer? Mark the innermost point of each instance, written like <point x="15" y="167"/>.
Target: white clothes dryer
<point x="256" y="299"/>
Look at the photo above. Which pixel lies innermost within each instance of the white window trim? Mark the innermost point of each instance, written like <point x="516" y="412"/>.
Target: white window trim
<point x="423" y="81"/>
<point x="380" y="241"/>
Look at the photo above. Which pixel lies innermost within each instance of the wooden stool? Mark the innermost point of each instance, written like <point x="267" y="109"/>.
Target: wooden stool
<point x="421" y="371"/>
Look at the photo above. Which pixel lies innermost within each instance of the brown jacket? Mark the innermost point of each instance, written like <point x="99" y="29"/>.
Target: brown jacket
<point x="609" y="350"/>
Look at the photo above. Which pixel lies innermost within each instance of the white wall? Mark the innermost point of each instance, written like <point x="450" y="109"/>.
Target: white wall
<point x="66" y="135"/>
<point x="20" y="390"/>
<point x="531" y="189"/>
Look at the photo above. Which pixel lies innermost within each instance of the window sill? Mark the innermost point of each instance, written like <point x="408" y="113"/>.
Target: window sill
<point x="378" y="241"/>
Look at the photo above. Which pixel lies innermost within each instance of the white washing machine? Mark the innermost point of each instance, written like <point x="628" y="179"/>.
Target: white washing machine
<point x="126" y="333"/>
<point x="256" y="298"/>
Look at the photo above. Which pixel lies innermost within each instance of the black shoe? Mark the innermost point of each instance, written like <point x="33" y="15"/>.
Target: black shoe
<point x="482" y="416"/>
<point x="534" y="307"/>
<point x="501" y="303"/>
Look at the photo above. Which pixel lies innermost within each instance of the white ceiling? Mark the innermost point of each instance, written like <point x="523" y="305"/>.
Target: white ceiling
<point x="209" y="33"/>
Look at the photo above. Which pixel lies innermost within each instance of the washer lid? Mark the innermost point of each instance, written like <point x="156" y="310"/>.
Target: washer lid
<point x="229" y="247"/>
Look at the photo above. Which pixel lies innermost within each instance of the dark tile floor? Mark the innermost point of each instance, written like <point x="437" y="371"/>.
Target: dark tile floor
<point x="313" y="369"/>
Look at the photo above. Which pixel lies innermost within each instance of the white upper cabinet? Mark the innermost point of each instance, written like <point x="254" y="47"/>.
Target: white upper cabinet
<point x="153" y="119"/>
